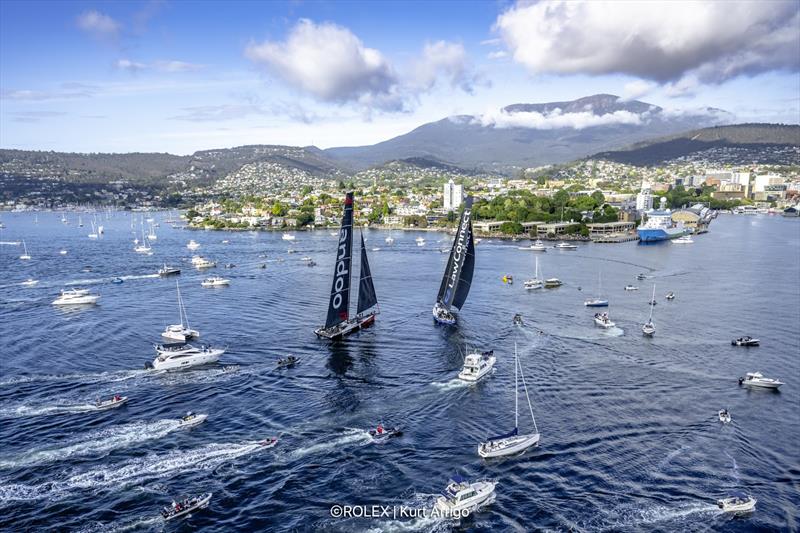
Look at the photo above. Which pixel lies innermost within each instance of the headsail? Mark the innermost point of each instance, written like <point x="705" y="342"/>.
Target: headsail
<point x="366" y="290"/>
<point x="461" y="263"/>
<point x="340" y="289"/>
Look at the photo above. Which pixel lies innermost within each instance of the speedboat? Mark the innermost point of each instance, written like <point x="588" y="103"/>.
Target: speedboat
<point x="193" y="245"/>
<point x="565" y="246"/>
<point x="631" y="288"/>
<point x="269" y="442"/>
<point x="686" y="239"/>
<point x="215" y="281"/>
<point x="739" y="503"/>
<point x="756" y="379"/>
<point x="76" y="297"/>
<point x="168" y="271"/>
<point x="641" y="276"/>
<point x="186" y="506"/>
<point x="477" y="365"/>
<point x="389" y="240"/>
<point x="745" y="341"/>
<point x="289" y="361"/>
<point x="111" y="403"/>
<point x="602" y="320"/>
<point x="538" y="246"/>
<point x="670" y="295"/>
<point x="63" y="252"/>
<point x="518" y="320"/>
<point x="191" y="419"/>
<point x="382" y="434"/>
<point x="180" y="333"/>
<point x="596" y="302"/>
<point x="30" y="282"/>
<point x="179" y="355"/>
<point x="552" y="283"/>
<point x="442" y="315"/>
<point x="117" y="281"/>
<point x="462" y="495"/>
<point x="724" y="416"/>
<point x="203" y="263"/>
<point x="288" y="237"/>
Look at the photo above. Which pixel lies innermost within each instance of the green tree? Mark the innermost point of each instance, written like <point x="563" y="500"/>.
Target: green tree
<point x="560" y="198"/>
<point x="599" y="198"/>
<point x="511" y="228"/>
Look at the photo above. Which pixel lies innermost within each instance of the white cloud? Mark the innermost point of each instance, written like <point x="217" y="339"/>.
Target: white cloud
<point x="500" y="118"/>
<point x="130" y="66"/>
<point x="445" y="60"/>
<point x="98" y="24"/>
<point x="636" y="89"/>
<point x="327" y="61"/>
<point x="655" y="40"/>
<point x="161" y="66"/>
<point x="499" y="54"/>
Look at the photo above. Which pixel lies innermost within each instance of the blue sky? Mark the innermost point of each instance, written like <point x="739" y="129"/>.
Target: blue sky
<point x="177" y="77"/>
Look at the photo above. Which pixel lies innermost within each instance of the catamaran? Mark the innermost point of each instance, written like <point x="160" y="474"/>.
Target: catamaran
<point x="25" y="256"/>
<point x="457" y="277"/>
<point x="338" y="322"/>
<point x="535" y="282"/>
<point x="180" y="332"/>
<point x="598" y="301"/>
<point x="649" y="329"/>
<point x="512" y="442"/>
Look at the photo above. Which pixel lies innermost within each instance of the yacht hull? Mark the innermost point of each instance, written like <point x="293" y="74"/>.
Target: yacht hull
<point x="509" y="446"/>
<point x="353" y="325"/>
<point x="180" y="362"/>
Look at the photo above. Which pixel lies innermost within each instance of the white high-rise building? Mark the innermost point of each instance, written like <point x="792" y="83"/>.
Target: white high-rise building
<point x="453" y="196"/>
<point x="644" y="200"/>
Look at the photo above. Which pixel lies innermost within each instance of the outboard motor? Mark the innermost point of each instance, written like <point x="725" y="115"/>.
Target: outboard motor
<point x="741" y="380"/>
<point x="148" y="365"/>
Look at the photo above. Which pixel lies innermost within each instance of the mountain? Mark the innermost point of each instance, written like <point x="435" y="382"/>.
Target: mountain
<point x="747" y="143"/>
<point x="530" y="135"/>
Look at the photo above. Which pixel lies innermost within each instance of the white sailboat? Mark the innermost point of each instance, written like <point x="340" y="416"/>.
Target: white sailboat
<point x="180" y="332"/>
<point x="151" y="234"/>
<point x="535" y="282"/>
<point x="649" y="329"/>
<point x="144" y="247"/>
<point x="93" y="234"/>
<point x="25" y="256"/>
<point x="512" y="442"/>
<point x="597" y="301"/>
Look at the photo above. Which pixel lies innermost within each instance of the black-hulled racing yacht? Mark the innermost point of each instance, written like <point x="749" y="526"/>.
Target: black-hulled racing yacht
<point x="458" y="273"/>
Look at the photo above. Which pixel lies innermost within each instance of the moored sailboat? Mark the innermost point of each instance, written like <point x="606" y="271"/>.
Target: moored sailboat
<point x="457" y="277"/>
<point x="338" y="322"/>
<point x="598" y="301"/>
<point x="649" y="329"/>
<point x="180" y="332"/>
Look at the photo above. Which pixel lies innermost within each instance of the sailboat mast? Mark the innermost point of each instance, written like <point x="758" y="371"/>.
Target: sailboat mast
<point x="652" y="299"/>
<point x="525" y="386"/>
<point x="516" y="390"/>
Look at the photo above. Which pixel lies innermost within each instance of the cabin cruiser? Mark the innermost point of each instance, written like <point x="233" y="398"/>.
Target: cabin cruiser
<point x="552" y="283"/>
<point x="566" y="246"/>
<point x="201" y="263"/>
<point x="215" y="281"/>
<point x="111" y="403"/>
<point x="631" y="288"/>
<point x="289" y="361"/>
<point x="745" y="341"/>
<point x="193" y="245"/>
<point x="191" y="419"/>
<point x="670" y="295"/>
<point x="537" y="246"/>
<point x="739" y="503"/>
<point x="76" y="297"/>
<point x="756" y="379"/>
<point x="180" y="355"/>
<point x="186" y="506"/>
<point x="168" y="271"/>
<point x="462" y="495"/>
<point x="382" y="434"/>
<point x="180" y="333"/>
<point x="686" y="239"/>
<point x="477" y="365"/>
<point x="602" y="320"/>
<point x="724" y="416"/>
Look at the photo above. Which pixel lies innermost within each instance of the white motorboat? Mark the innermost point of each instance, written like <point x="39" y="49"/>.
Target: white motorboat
<point x="389" y="240"/>
<point x="552" y="283"/>
<point x="745" y="341"/>
<point x="30" y="282"/>
<point x="538" y="246"/>
<point x="215" y="281"/>
<point x="179" y="356"/>
<point x="168" y="271"/>
<point x="512" y="442"/>
<point x="670" y="295"/>
<point x="63" y="252"/>
<point x="566" y="246"/>
<point x="288" y="237"/>
<point x="193" y="245"/>
<point x="76" y="297"/>
<point x="180" y="332"/>
<point x="420" y="241"/>
<point x="739" y="503"/>
<point x="191" y="419"/>
<point x="756" y="379"/>
<point x="111" y="403"/>
<point x="477" y="365"/>
<point x="185" y="507"/>
<point x="724" y="416"/>
<point x="602" y="320"/>
<point x="462" y="495"/>
<point x="686" y="239"/>
<point x="536" y="281"/>
<point x="631" y="288"/>
<point x="25" y="256"/>
<point x="203" y="263"/>
<point x="649" y="328"/>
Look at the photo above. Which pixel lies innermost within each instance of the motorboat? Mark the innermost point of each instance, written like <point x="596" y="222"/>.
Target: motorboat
<point x="117" y="281"/>
<point x="180" y="355"/>
<point x="463" y="495"/>
<point x="382" y="434"/>
<point x="631" y="288"/>
<point x="76" y="297"/>
<point x="193" y="245"/>
<point x="186" y="506"/>
<point x="289" y="361"/>
<point x="512" y="442"/>
<point x="25" y="256"/>
<point x="686" y="239"/>
<point x="204" y="263"/>
<point x="670" y="295"/>
<point x="756" y="379"/>
<point x="537" y="246"/>
<point x="30" y="282"/>
<point x="180" y="332"/>
<point x="63" y="252"/>
<point x="389" y="240"/>
<point x="739" y="503"/>
<point x="602" y="320"/>
<point x="641" y="276"/>
<point x="215" y="281"/>
<point x="552" y="283"/>
<point x="566" y="246"/>
<point x="268" y="442"/>
<point x="111" y="403"/>
<point x="288" y="237"/>
<point x="191" y="419"/>
<point x="724" y="416"/>
<point x="168" y="271"/>
<point x="225" y="241"/>
<point x="745" y="341"/>
<point x="305" y="259"/>
<point x="477" y="365"/>
<point x="420" y="241"/>
<point x="518" y="320"/>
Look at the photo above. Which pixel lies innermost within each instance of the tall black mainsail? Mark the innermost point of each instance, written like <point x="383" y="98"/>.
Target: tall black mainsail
<point x="340" y="289"/>
<point x="366" y="290"/>
<point x="460" y="265"/>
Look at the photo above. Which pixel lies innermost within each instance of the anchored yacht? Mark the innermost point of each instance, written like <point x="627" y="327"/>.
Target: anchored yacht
<point x="76" y="297"/>
<point x="215" y="281"/>
<point x="477" y="365"/>
<point x="461" y="495"/>
<point x="756" y="379"/>
<point x="179" y="356"/>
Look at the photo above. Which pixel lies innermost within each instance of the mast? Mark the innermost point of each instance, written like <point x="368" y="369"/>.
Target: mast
<point x="340" y="288"/>
<point x="652" y="299"/>
<point x="516" y="390"/>
<point x="521" y="375"/>
<point x="457" y="277"/>
<point x="366" y="290"/>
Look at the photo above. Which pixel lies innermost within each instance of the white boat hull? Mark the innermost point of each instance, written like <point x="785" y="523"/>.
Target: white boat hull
<point x="604" y="324"/>
<point x="473" y="377"/>
<point x="484" y="495"/>
<point x="196" y="421"/>
<point x="81" y="300"/>
<point x="509" y="446"/>
<point x="180" y="362"/>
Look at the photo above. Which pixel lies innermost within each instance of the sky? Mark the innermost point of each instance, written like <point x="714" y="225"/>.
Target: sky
<point x="181" y="76"/>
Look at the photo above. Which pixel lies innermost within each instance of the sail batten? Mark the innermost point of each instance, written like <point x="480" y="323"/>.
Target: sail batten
<point x="338" y="307"/>
<point x="457" y="277"/>
<point x="366" y="290"/>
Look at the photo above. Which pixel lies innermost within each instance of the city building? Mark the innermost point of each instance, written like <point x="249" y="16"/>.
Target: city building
<point x="453" y="195"/>
<point x="644" y="200"/>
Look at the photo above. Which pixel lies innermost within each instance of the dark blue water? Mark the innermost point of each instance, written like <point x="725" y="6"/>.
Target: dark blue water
<point x="630" y="439"/>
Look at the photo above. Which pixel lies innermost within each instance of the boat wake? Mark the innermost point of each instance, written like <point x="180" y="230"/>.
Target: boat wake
<point x="640" y="517"/>
<point x="95" y="443"/>
<point x="453" y="384"/>
<point x="135" y="471"/>
<point x="22" y="411"/>
<point x="134" y="524"/>
<point x="351" y="436"/>
<point x="428" y="523"/>
<point x="100" y="377"/>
